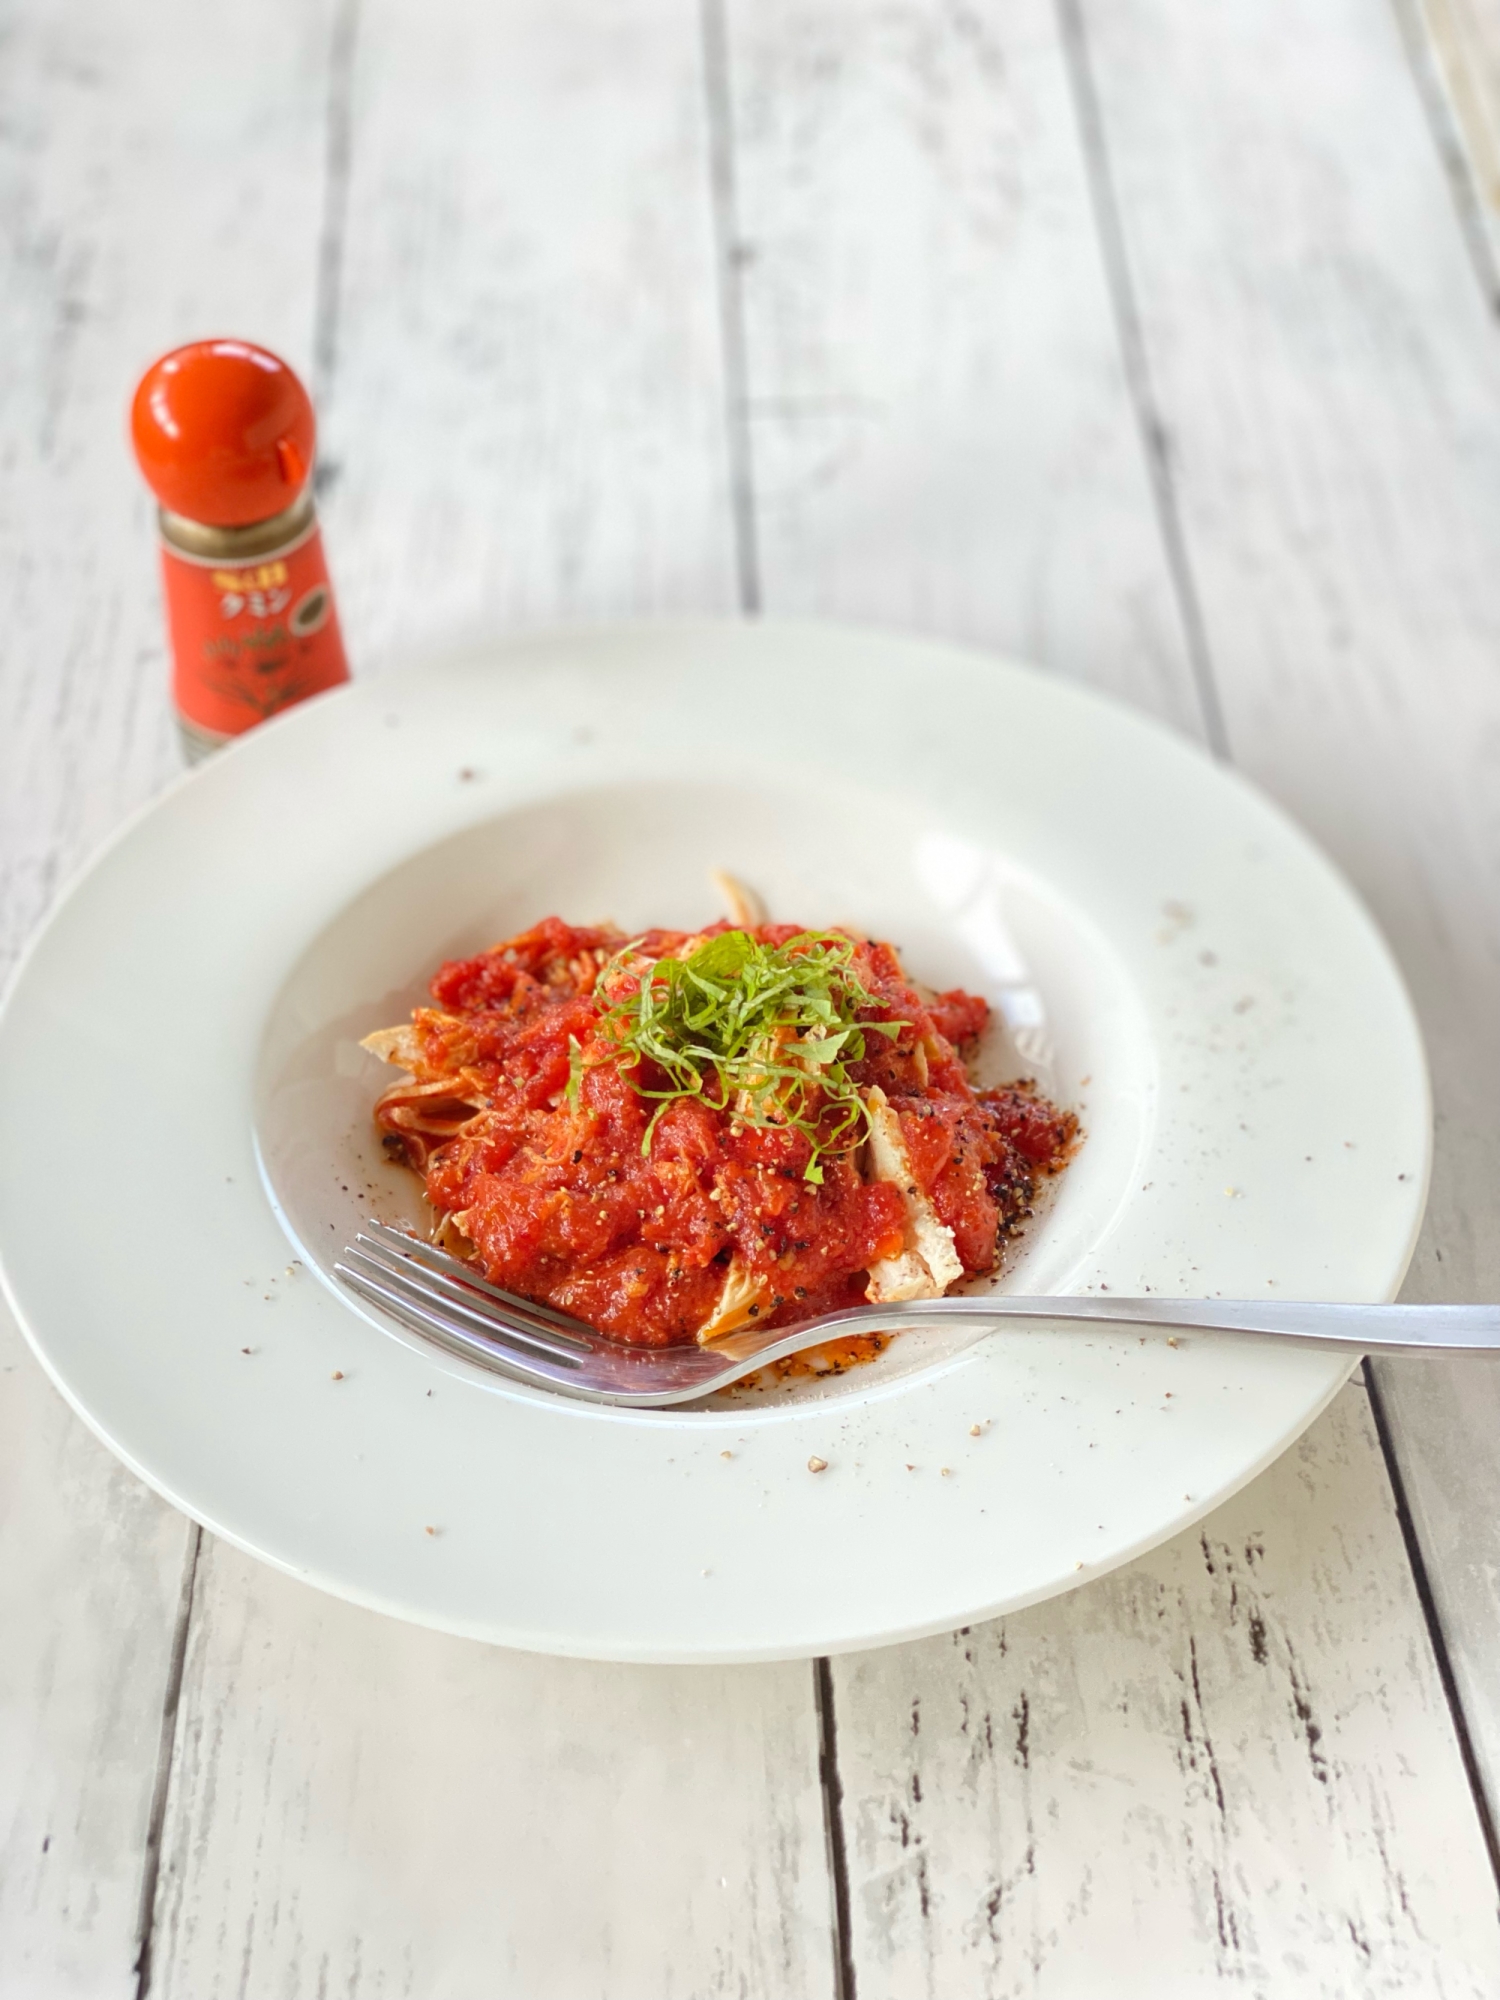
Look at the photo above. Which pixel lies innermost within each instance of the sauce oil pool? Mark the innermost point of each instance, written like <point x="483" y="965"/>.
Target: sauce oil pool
<point x="224" y="433"/>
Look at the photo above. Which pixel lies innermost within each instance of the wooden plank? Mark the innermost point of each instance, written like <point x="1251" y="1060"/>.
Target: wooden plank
<point x="367" y="1807"/>
<point x="525" y="422"/>
<point x="90" y="1568"/>
<point x="1218" y="1766"/>
<point x="582" y="568"/>
<point x="940" y="426"/>
<point x="526" y="414"/>
<point x="856" y="272"/>
<point x="122" y="155"/>
<point x="1455" y="48"/>
<point x="1329" y="381"/>
<point x="157" y="185"/>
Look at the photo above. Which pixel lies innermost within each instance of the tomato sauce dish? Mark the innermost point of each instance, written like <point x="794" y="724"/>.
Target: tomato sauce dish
<point x="680" y="1134"/>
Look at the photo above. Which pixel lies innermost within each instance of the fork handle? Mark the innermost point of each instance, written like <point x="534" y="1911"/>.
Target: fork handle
<point x="1414" y="1329"/>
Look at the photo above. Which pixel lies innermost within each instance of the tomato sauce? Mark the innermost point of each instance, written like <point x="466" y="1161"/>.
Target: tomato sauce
<point x="560" y="1202"/>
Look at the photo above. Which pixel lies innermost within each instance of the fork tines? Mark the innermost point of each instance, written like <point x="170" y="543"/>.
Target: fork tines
<point x="436" y="1293"/>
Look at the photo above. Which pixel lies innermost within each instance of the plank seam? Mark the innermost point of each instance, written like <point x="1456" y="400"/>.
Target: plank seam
<point x="165" y="1748"/>
<point x="1432" y="1618"/>
<point x="833" y="1828"/>
<point x="1445" y="125"/>
<point x="1458" y="173"/>
<point x="1155" y="438"/>
<point x="729" y="257"/>
<point x="337" y="167"/>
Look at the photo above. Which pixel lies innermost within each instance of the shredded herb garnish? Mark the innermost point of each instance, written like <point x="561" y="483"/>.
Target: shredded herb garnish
<point x="767" y="1029"/>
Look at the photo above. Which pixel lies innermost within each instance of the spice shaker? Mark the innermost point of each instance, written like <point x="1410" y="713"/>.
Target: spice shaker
<point x="224" y="433"/>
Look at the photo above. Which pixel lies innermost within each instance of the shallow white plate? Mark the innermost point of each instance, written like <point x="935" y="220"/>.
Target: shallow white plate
<point x="186" y="1136"/>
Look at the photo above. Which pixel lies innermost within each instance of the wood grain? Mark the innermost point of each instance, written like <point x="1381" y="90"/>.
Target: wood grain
<point x="843" y="253"/>
<point x="361" y="1806"/>
<point x="525" y="422"/>
<point x="1455" y="48"/>
<point x="495" y="242"/>
<point x="940" y="424"/>
<point x="153" y="186"/>
<point x="90" y="1568"/>
<point x="158" y="186"/>
<point x="525" y="417"/>
<point x="1219" y="1767"/>
<point x="1329" y="379"/>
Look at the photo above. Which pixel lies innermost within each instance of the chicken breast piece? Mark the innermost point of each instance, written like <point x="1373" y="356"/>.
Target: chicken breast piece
<point x="929" y="1261"/>
<point x="903" y="1277"/>
<point x="742" y="1295"/>
<point x="395" y="1045"/>
<point x="741" y="904"/>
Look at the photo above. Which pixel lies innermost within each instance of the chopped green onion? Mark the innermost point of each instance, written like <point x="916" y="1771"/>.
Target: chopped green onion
<point x="767" y="1029"/>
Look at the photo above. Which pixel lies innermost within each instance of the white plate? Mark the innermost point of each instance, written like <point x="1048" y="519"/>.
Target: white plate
<point x="1205" y="988"/>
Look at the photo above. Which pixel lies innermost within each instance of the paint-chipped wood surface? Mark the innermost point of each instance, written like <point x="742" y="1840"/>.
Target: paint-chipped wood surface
<point x="1327" y="369"/>
<point x="151" y="184"/>
<point x="525" y="393"/>
<point x="361" y="1802"/>
<point x="1213" y="1768"/>
<point x="1146" y="340"/>
<point x="916" y="256"/>
<point x="1455" y="47"/>
<point x="90" y="1568"/>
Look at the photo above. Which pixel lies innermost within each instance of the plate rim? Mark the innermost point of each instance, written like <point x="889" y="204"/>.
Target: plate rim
<point x="599" y="636"/>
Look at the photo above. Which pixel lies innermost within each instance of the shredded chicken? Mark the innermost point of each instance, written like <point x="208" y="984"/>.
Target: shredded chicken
<point x="929" y="1261"/>
<point x="739" y="1301"/>
<point x="395" y="1045"/>
<point x="741" y="904"/>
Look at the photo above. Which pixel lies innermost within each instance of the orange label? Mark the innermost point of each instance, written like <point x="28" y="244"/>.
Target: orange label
<point x="249" y="639"/>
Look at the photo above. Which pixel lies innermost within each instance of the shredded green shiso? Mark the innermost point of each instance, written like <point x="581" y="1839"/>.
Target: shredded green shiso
<point x="768" y="1029"/>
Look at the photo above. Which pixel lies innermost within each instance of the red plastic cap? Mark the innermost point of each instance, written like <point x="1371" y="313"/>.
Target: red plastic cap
<point x="224" y="432"/>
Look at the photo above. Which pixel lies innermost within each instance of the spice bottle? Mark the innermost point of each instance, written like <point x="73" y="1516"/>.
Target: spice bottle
<point x="224" y="433"/>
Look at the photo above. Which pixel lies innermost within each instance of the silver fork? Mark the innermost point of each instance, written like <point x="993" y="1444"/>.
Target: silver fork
<point x="449" y="1303"/>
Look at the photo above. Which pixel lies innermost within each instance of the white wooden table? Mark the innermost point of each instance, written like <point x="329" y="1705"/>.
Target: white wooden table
<point x="1153" y="340"/>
